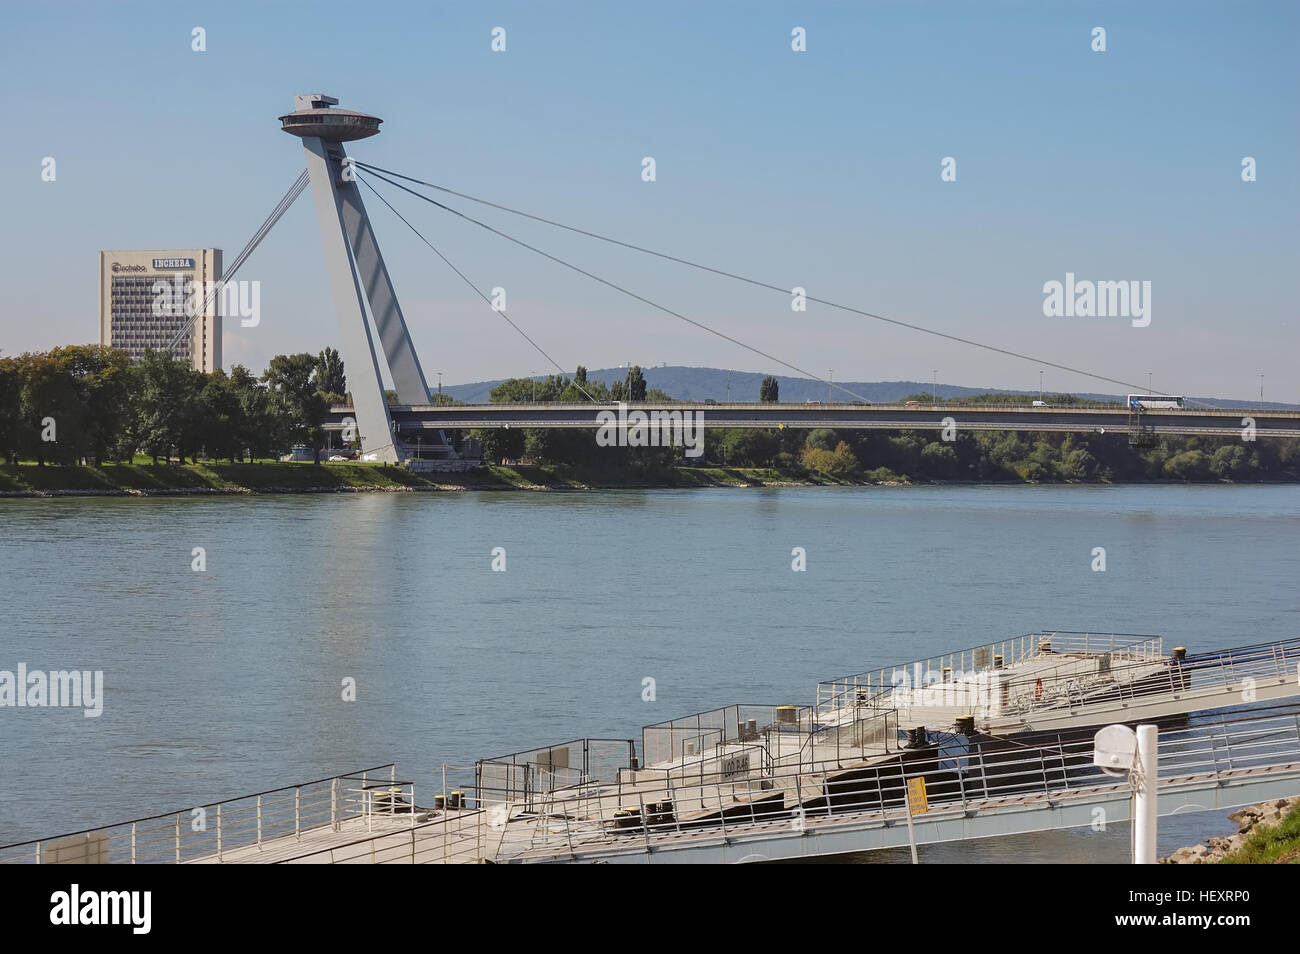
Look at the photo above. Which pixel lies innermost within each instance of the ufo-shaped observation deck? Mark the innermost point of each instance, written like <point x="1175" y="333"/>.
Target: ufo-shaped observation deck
<point x="316" y="117"/>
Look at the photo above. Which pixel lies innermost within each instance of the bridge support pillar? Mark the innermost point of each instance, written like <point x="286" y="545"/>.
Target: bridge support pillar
<point x="358" y="278"/>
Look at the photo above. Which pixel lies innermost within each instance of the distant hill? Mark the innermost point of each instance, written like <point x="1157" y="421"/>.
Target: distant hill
<point x="717" y="384"/>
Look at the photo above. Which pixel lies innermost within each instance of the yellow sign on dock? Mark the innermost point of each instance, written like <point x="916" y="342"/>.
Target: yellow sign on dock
<point x="916" y="796"/>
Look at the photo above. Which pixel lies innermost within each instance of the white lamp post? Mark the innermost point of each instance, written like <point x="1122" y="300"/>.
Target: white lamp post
<point x="1118" y="750"/>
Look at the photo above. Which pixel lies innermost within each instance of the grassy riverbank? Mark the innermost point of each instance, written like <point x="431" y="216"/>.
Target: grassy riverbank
<point x="1270" y="844"/>
<point x="141" y="478"/>
<point x="1268" y="834"/>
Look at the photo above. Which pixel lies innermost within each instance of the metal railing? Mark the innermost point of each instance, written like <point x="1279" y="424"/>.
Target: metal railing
<point x="1064" y="676"/>
<point x="532" y="773"/>
<point x="960" y="776"/>
<point x="878" y="684"/>
<point x="459" y="829"/>
<point x="702" y="744"/>
<point x="1229" y="677"/>
<point x="215" y="829"/>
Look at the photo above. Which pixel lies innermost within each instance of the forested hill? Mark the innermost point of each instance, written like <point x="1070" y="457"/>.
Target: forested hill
<point x="703" y="384"/>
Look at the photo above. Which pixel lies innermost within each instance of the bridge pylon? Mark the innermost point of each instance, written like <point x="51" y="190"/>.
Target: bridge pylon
<point x="358" y="277"/>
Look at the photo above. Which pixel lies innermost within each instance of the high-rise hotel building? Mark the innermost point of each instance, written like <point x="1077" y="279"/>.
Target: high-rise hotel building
<point x="136" y="313"/>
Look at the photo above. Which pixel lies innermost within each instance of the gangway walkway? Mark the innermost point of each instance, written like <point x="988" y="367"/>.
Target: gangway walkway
<point x="748" y="782"/>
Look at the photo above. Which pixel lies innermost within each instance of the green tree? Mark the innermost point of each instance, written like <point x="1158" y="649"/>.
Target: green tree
<point x="750" y="447"/>
<point x="939" y="460"/>
<point x="821" y="438"/>
<point x="1079" y="464"/>
<point x="51" y="405"/>
<point x="297" y="402"/>
<point x="11" y="393"/>
<point x="167" y="405"/>
<point x="221" y="420"/>
<point x="1031" y="471"/>
<point x="526" y="390"/>
<point x="329" y="376"/>
<point x="1189" y="465"/>
<point x="500" y="443"/>
<point x="769" y="390"/>
<point x="105" y="381"/>
<point x="257" y="432"/>
<point x="1229" y="462"/>
<point x="636" y="385"/>
<point x="840" y="462"/>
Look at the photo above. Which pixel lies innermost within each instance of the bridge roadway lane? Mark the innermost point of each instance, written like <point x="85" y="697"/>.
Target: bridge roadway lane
<point x="1199" y="421"/>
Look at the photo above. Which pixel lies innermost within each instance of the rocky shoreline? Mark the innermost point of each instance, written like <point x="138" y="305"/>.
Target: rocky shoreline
<point x="1249" y="820"/>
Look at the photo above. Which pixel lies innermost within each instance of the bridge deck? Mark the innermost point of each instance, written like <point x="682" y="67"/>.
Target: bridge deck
<point x="1198" y="421"/>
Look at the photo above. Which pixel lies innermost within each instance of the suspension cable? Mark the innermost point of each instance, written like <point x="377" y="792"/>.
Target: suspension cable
<point x="263" y="230"/>
<point x="619" y="288"/>
<point x="753" y="281"/>
<point x="501" y="311"/>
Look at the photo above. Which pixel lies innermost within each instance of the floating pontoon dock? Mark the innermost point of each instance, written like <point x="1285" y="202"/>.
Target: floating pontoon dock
<point x="999" y="734"/>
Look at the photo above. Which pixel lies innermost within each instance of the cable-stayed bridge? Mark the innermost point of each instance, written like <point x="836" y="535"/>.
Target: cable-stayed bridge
<point x="368" y="309"/>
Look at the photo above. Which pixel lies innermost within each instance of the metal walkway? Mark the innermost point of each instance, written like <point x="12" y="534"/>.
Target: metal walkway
<point x="749" y="782"/>
<point x="977" y="789"/>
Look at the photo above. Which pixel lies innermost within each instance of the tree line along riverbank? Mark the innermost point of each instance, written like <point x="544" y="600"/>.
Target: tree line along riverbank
<point x="80" y="405"/>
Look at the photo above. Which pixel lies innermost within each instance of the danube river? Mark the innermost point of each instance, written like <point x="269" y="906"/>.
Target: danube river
<point x="228" y="680"/>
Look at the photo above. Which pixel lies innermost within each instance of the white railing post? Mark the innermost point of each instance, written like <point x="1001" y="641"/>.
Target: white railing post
<point x="645" y="822"/>
<point x="297" y="813"/>
<point x="218" y="831"/>
<point x="722" y="811"/>
<point x="178" y="838"/>
<point x="132" y="842"/>
<point x="259" y="821"/>
<point x="334" y="804"/>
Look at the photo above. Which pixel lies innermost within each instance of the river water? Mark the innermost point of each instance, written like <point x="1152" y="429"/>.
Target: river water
<point x="228" y="681"/>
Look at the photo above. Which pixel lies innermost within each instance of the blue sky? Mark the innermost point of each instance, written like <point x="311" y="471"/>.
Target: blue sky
<point x="819" y="169"/>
